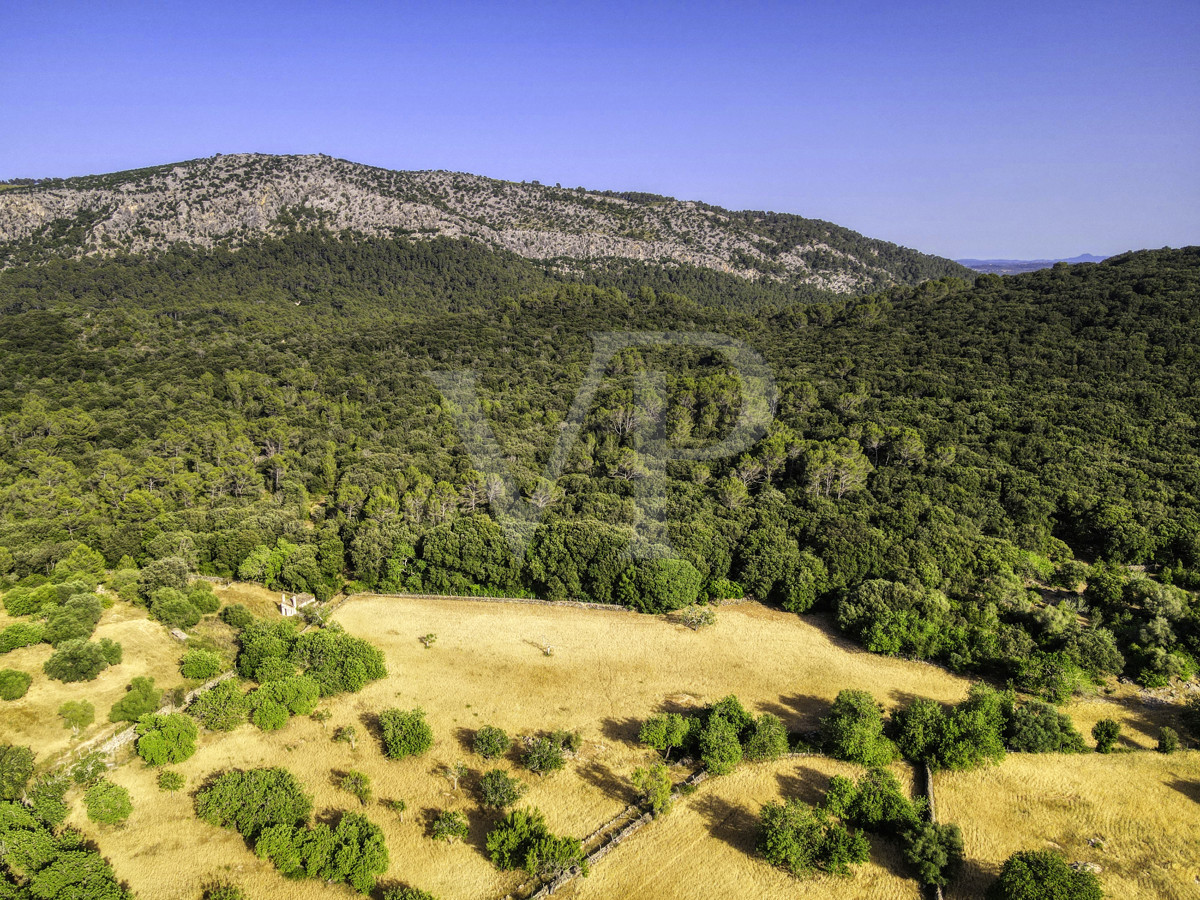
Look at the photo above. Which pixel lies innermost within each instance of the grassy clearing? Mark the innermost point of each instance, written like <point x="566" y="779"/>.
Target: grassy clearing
<point x="608" y="671"/>
<point x="33" y="720"/>
<point x="703" y="849"/>
<point x="1142" y="806"/>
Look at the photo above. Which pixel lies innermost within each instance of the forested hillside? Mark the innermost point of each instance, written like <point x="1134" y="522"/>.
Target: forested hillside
<point x="237" y="200"/>
<point x="936" y="449"/>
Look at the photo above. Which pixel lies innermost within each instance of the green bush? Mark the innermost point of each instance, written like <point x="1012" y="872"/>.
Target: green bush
<point x="201" y="595"/>
<point x="77" y="715"/>
<point x="521" y="840"/>
<point x="1168" y="740"/>
<point x="236" y="616"/>
<point x="338" y="662"/>
<point x="358" y="785"/>
<point x="268" y="714"/>
<point x="973" y="733"/>
<point x="1043" y="875"/>
<point x="107" y="803"/>
<point x="76" y="661"/>
<point x="499" y="790"/>
<point x="543" y="755"/>
<point x="1106" y="732"/>
<point x="491" y="742"/>
<point x="141" y="698"/>
<point x="171" y="607"/>
<point x="221" y="708"/>
<point x="171" y="572"/>
<point x="1037" y="727"/>
<point x="803" y="839"/>
<point x="353" y="852"/>
<point x="876" y="803"/>
<point x="224" y="892"/>
<point x="46" y="797"/>
<point x="90" y="768"/>
<point x="853" y="730"/>
<point x="407" y="893"/>
<point x="170" y="781"/>
<point x="405" y="733"/>
<point x="21" y="634"/>
<point x="76" y="619"/>
<point x="251" y="801"/>
<point x="768" y="740"/>
<point x="934" y="851"/>
<point x="16" y="768"/>
<point x="720" y="749"/>
<point x="449" y="826"/>
<point x="654" y="786"/>
<point x="665" y="733"/>
<point x="201" y="665"/>
<point x="163" y="739"/>
<point x="14" y="684"/>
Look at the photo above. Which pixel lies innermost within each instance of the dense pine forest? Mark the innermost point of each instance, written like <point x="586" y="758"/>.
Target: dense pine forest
<point x="948" y="464"/>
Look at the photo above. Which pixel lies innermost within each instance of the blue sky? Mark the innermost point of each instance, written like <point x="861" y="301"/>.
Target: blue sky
<point x="958" y="128"/>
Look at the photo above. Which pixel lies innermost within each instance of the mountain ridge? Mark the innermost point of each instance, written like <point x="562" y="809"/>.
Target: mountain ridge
<point x="234" y="199"/>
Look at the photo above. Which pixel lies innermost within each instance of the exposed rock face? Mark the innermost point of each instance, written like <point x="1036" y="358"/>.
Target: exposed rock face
<point x="236" y="198"/>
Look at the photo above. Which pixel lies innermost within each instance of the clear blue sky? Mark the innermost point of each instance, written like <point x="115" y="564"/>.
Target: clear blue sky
<point x="959" y="128"/>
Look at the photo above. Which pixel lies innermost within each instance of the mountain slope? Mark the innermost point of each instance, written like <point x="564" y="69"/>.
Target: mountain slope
<point x="240" y="198"/>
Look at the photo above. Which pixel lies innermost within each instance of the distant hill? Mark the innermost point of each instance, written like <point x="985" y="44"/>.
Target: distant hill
<point x="1017" y="266"/>
<point x="238" y="199"/>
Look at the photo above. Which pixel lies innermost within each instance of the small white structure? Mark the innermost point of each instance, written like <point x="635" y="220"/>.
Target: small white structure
<point x="289" y="606"/>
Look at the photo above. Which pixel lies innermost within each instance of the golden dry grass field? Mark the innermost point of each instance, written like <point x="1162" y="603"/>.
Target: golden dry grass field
<point x="703" y="849"/>
<point x="1144" y="808"/>
<point x="147" y="650"/>
<point x="609" y="670"/>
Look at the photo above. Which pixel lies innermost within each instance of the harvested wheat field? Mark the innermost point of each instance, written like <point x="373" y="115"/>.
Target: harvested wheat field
<point x="1141" y="809"/>
<point x="607" y="672"/>
<point x="148" y="650"/>
<point x="703" y="849"/>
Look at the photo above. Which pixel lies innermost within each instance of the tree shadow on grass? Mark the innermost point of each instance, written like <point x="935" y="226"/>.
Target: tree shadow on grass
<point x="804" y="784"/>
<point x="621" y="730"/>
<point x="735" y="825"/>
<point x="799" y="712"/>
<point x="466" y="738"/>
<point x="613" y="785"/>
<point x="1190" y="789"/>
<point x="972" y="879"/>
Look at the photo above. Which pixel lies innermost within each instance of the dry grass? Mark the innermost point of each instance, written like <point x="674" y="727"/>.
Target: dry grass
<point x="1143" y="806"/>
<point x="609" y="671"/>
<point x="704" y="848"/>
<point x="33" y="720"/>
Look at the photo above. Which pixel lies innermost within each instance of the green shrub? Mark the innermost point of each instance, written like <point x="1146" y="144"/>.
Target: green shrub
<point x="877" y="803"/>
<point x="253" y="800"/>
<point x="1106" y="732"/>
<point x="201" y="595"/>
<point x="224" y="892"/>
<point x="449" y="826"/>
<point x="731" y="710"/>
<point x="107" y="803"/>
<point x="164" y="739"/>
<point x="1168" y="740"/>
<point x="405" y="733"/>
<point x="16" y="768"/>
<point x="171" y="572"/>
<point x="236" y="616"/>
<point x="141" y="698"/>
<point x="268" y="714"/>
<point x="77" y="715"/>
<point x="14" y="684"/>
<point x="407" y="893"/>
<point x="221" y="708"/>
<point x="1043" y="875"/>
<point x="803" y="839"/>
<point x="21" y="634"/>
<point x="768" y="740"/>
<point x="171" y="607"/>
<point x="499" y="790"/>
<point x="491" y="742"/>
<point x="90" y="768"/>
<point x="170" y="781"/>
<point x="973" y="733"/>
<point x="201" y="665"/>
<point x="934" y="851"/>
<point x="357" y="784"/>
<point x="521" y="840"/>
<point x="665" y="733"/>
<point x="46" y="797"/>
<point x="76" y="619"/>
<point x="338" y="662"/>
<point x="653" y="784"/>
<point x="354" y="852"/>
<point x="853" y="730"/>
<point x="1037" y="727"/>
<point x="77" y="661"/>
<point x="920" y="727"/>
<point x="720" y="749"/>
<point x="543" y="755"/>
